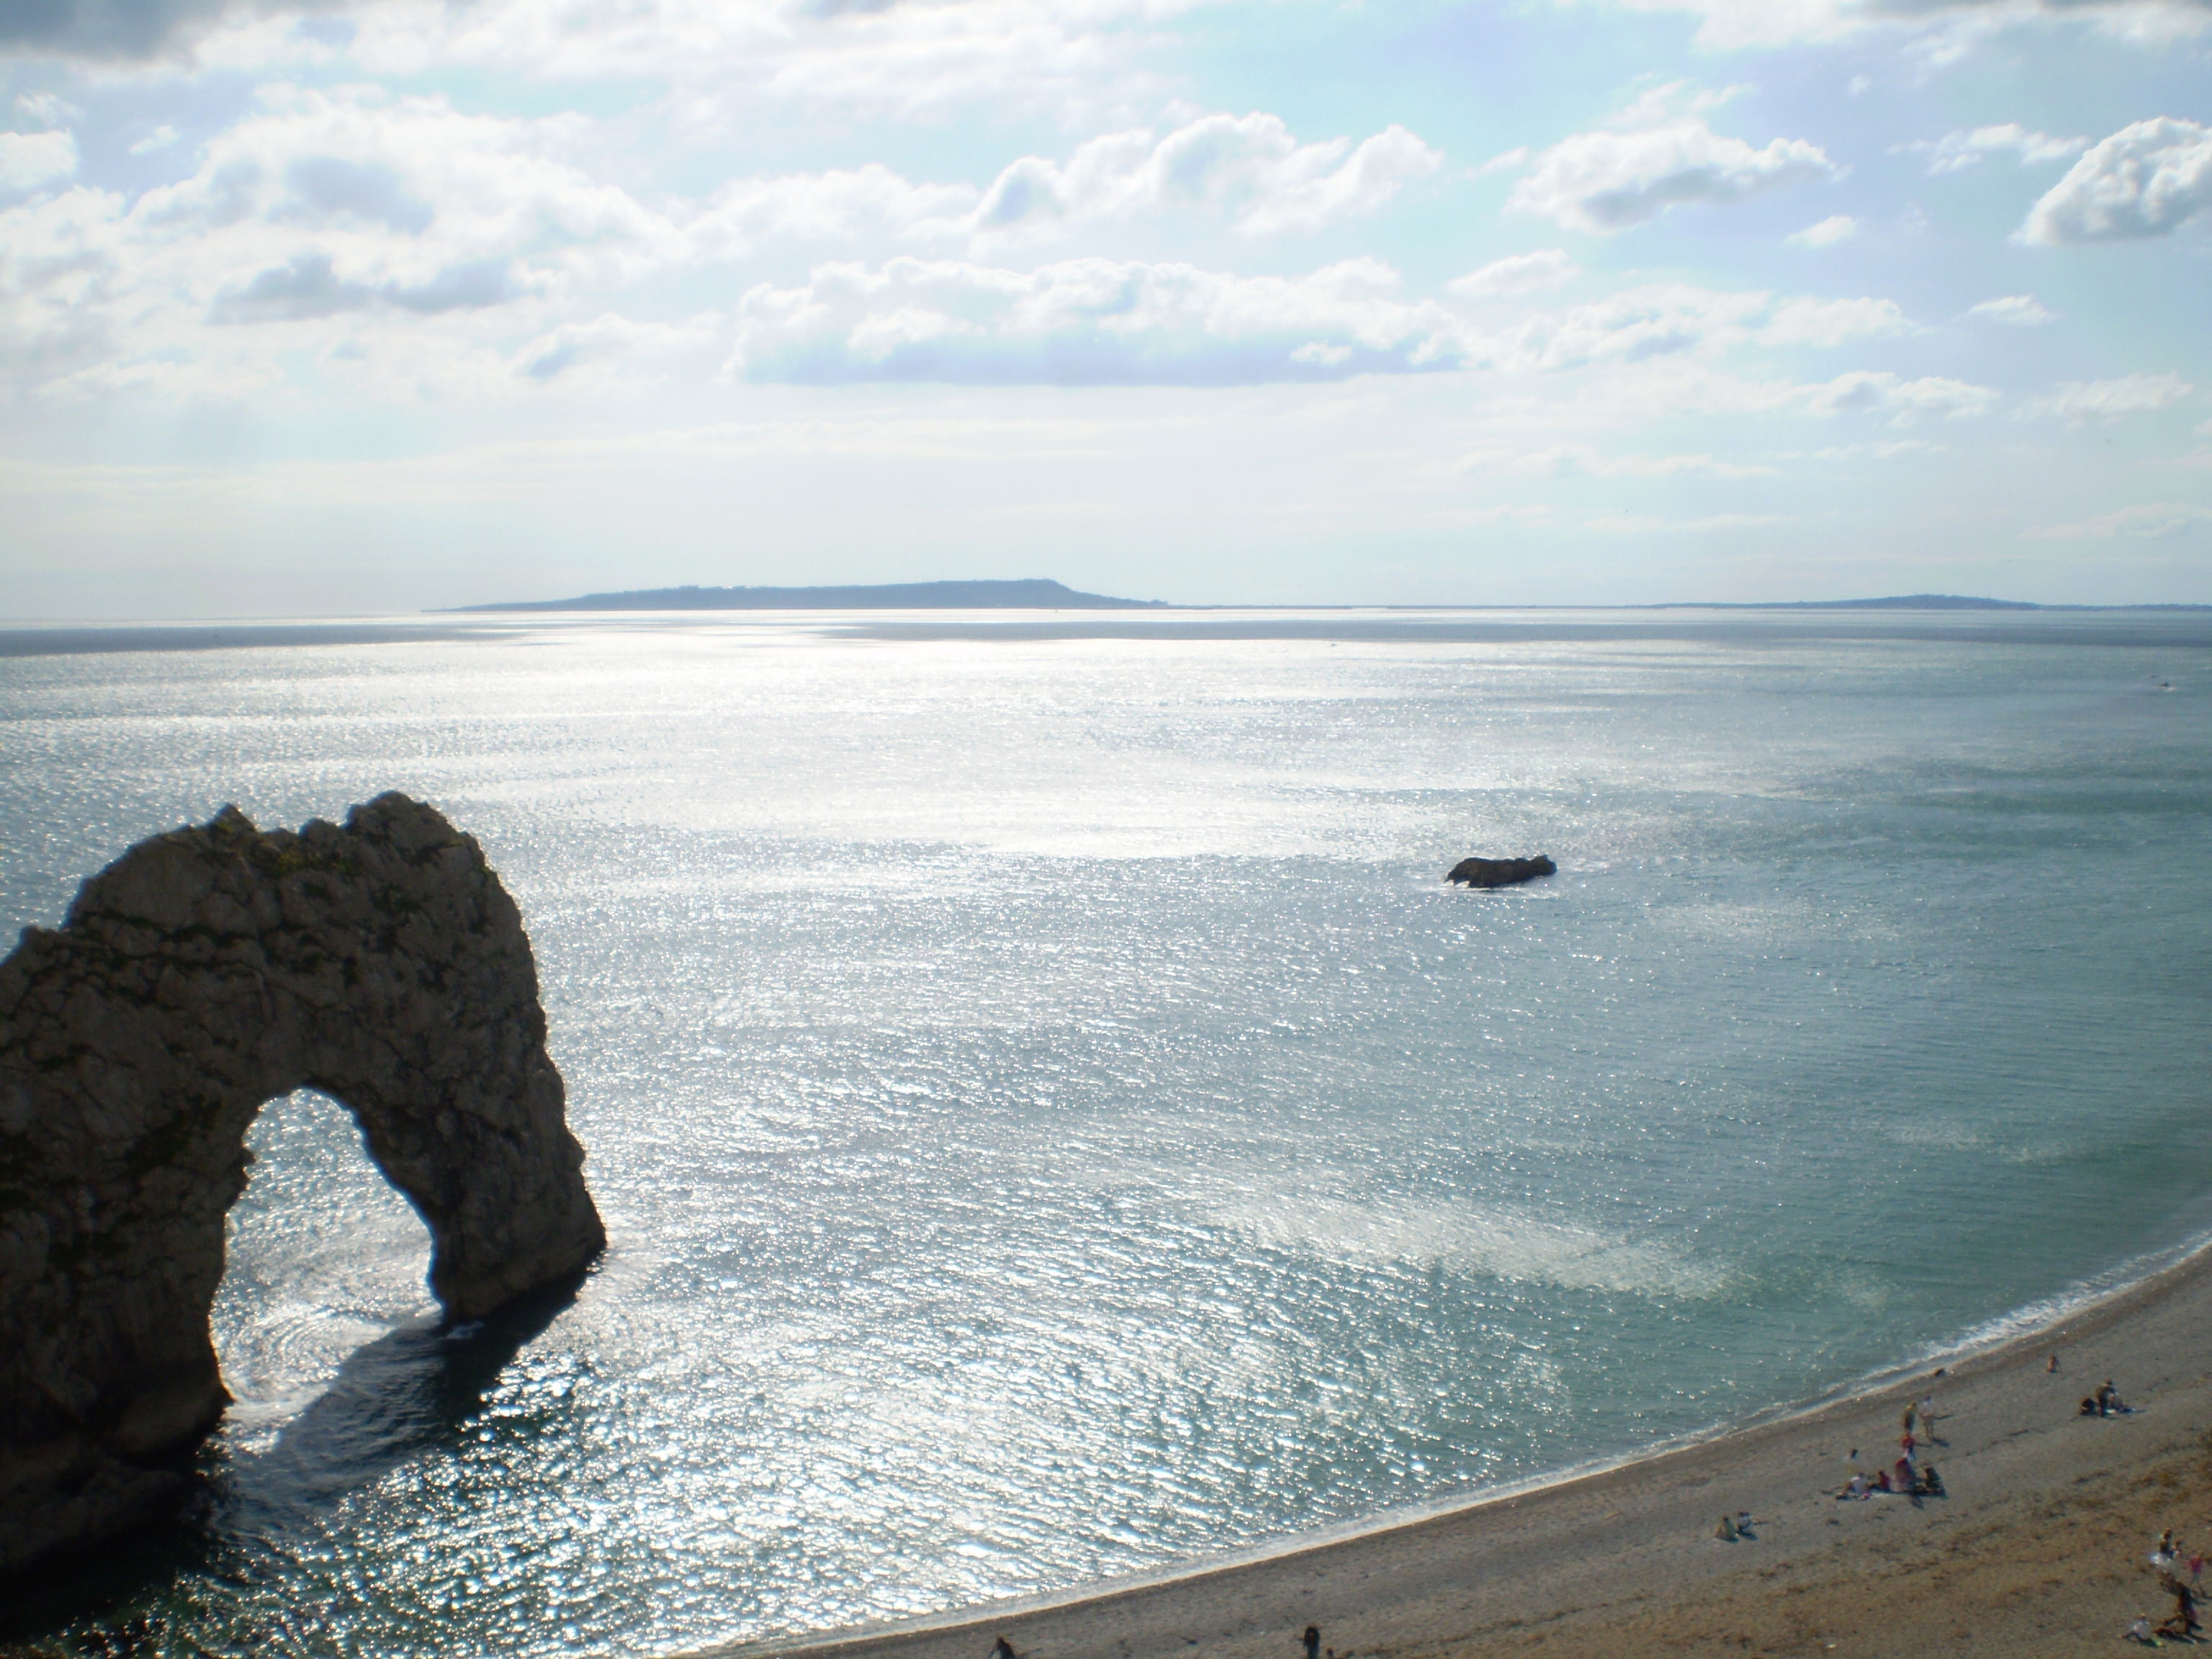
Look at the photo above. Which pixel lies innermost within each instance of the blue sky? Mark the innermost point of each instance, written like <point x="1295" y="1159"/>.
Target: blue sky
<point x="333" y="307"/>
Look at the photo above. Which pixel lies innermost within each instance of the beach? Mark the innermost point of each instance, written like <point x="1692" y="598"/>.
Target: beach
<point x="2039" y="1544"/>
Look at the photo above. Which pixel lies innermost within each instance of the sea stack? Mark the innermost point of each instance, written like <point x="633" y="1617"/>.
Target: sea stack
<point x="1500" y="872"/>
<point x="202" y="974"/>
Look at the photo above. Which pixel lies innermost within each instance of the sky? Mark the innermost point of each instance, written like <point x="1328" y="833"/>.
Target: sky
<point x="341" y="306"/>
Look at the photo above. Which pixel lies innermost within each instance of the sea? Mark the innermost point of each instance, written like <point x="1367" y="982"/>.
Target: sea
<point x="1055" y="1123"/>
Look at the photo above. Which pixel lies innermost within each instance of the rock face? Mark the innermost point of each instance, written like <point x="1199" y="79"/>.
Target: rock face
<point x="200" y="975"/>
<point x="1501" y="872"/>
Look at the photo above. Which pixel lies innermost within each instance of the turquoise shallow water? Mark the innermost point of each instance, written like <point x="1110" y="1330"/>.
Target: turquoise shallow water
<point x="1054" y="1122"/>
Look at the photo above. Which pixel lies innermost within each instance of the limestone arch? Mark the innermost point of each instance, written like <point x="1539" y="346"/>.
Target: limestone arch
<point x="202" y="974"/>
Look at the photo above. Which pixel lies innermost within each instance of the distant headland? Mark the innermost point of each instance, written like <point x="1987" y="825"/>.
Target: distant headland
<point x="1034" y="593"/>
<point x="1903" y="602"/>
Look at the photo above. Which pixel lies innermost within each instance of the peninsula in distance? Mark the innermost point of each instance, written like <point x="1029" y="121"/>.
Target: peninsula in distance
<point x="1034" y="594"/>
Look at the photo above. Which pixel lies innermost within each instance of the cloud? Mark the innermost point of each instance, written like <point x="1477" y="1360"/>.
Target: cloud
<point x="1731" y="24"/>
<point x="2080" y="402"/>
<point x="160" y="138"/>
<point x="1903" y="401"/>
<point x="1661" y="318"/>
<point x="1089" y="321"/>
<point x="1517" y="273"/>
<point x="1608" y="180"/>
<point x="102" y="28"/>
<point x="2150" y="521"/>
<point x="1955" y="152"/>
<point x="320" y="211"/>
<point x="1837" y="228"/>
<point x="1249" y="167"/>
<point x="1626" y="524"/>
<point x="609" y="339"/>
<point x="310" y="287"/>
<point x="46" y="109"/>
<point x="29" y="159"/>
<point x="2014" y="310"/>
<point x="1069" y="60"/>
<point x="1570" y="458"/>
<point x="1832" y="322"/>
<point x="2145" y="180"/>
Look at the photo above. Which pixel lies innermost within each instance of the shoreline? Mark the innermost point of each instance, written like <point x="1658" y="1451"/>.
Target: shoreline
<point x="1592" y="1544"/>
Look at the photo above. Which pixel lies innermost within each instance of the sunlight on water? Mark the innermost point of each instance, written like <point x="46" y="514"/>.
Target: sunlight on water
<point x="1053" y="1121"/>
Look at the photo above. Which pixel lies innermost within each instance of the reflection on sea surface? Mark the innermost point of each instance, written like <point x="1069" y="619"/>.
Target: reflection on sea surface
<point x="1053" y="1121"/>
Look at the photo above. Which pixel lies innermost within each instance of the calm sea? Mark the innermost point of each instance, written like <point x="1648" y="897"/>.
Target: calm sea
<point x="1055" y="1123"/>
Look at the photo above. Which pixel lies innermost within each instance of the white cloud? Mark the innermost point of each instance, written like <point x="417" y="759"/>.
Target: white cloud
<point x="46" y="109"/>
<point x="29" y="159"/>
<point x="1087" y="322"/>
<point x="2014" y="310"/>
<point x="160" y="138"/>
<point x="2145" y="180"/>
<point x="1057" y="58"/>
<point x="1608" y="180"/>
<point x="1661" y="318"/>
<point x="611" y="338"/>
<point x="1517" y="273"/>
<point x="1569" y="459"/>
<point x="1832" y="322"/>
<point x="1955" y="152"/>
<point x="1903" y="401"/>
<point x="1837" y="228"/>
<point x="1250" y="167"/>
<point x="1739" y="23"/>
<point x="399" y="221"/>
<point x="836" y="206"/>
<point x="1626" y="524"/>
<point x="2082" y="401"/>
<point x="2150" y="521"/>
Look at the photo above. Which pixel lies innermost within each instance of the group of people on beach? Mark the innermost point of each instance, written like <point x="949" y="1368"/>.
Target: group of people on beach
<point x="2166" y="1566"/>
<point x="1909" y="1476"/>
<point x="2105" y="1402"/>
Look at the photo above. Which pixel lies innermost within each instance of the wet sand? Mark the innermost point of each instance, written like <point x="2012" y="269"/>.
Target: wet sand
<point x="2038" y="1547"/>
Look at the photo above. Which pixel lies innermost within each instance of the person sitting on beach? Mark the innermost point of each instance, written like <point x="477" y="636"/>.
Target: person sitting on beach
<point x="1881" y="1479"/>
<point x="2090" y="1409"/>
<point x="2108" y="1400"/>
<point x="2140" y="1632"/>
<point x="1931" y="1484"/>
<point x="1858" y="1486"/>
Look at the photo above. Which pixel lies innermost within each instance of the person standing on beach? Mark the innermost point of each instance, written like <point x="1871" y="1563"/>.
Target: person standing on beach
<point x="1313" y="1642"/>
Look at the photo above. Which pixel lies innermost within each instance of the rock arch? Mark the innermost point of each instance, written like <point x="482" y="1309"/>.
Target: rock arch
<point x="201" y="975"/>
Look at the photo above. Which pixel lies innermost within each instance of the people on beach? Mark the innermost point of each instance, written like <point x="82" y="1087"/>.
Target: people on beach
<point x="2052" y="1368"/>
<point x="1726" y="1530"/>
<point x="1002" y="1649"/>
<point x="2140" y="1632"/>
<point x="1858" y="1487"/>
<point x="1313" y="1642"/>
<point x="2108" y="1400"/>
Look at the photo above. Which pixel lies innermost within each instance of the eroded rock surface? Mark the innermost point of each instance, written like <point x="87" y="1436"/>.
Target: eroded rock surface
<point x="1501" y="872"/>
<point x="201" y="975"/>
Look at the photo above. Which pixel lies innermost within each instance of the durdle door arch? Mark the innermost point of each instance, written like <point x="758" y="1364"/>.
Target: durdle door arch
<point x="202" y="974"/>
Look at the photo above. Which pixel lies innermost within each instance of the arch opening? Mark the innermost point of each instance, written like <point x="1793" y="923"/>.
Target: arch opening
<point x="322" y="1256"/>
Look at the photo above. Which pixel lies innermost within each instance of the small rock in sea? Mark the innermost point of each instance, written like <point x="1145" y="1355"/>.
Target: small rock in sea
<point x="1500" y="872"/>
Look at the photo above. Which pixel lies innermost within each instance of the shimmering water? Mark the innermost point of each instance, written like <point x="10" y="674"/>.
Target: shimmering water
<point x="1054" y="1122"/>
